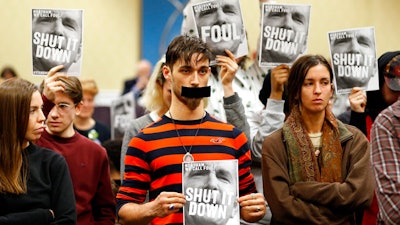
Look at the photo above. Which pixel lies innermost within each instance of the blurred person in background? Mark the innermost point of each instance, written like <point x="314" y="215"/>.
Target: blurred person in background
<point x="8" y="72"/>
<point x="138" y="83"/>
<point x="84" y="122"/>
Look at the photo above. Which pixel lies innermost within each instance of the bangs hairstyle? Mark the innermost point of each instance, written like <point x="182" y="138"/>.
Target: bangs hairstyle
<point x="298" y="73"/>
<point x="184" y="47"/>
<point x="15" y="100"/>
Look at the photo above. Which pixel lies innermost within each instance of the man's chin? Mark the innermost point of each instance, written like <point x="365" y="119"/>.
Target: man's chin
<point x="54" y="130"/>
<point x="193" y="103"/>
<point x="283" y="58"/>
<point x="358" y="83"/>
<point x="47" y="65"/>
<point x="210" y="221"/>
<point x="220" y="49"/>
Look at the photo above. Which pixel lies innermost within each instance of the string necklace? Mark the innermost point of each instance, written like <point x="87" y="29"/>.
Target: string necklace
<point x="187" y="157"/>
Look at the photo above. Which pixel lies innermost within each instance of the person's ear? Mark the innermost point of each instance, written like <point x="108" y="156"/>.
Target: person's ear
<point x="236" y="209"/>
<point x="243" y="34"/>
<point x="166" y="72"/>
<point x="374" y="69"/>
<point x="78" y="54"/>
<point x="78" y="108"/>
<point x="304" y="47"/>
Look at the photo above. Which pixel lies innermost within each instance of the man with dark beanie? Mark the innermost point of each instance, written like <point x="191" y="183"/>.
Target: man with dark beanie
<point x="376" y="101"/>
<point x="385" y="147"/>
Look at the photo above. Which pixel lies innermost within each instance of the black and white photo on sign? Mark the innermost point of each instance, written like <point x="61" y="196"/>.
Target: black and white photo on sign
<point x="122" y="111"/>
<point x="353" y="55"/>
<point x="211" y="189"/>
<point x="220" y="24"/>
<point x="57" y="39"/>
<point x="284" y="33"/>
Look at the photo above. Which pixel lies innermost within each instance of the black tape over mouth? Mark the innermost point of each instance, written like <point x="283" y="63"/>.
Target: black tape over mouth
<point x="196" y="92"/>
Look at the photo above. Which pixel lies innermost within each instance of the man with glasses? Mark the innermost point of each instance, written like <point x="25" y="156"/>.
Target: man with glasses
<point x="87" y="161"/>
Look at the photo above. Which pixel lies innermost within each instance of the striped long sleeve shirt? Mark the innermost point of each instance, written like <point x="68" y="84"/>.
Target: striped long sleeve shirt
<point x="154" y="158"/>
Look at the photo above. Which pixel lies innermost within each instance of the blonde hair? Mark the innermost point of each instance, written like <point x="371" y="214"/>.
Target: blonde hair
<point x="89" y="86"/>
<point x="153" y="94"/>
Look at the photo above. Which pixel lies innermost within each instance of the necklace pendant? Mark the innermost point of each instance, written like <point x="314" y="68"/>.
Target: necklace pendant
<point x="188" y="157"/>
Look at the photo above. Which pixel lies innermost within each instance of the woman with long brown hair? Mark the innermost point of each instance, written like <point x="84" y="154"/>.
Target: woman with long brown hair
<point x="35" y="185"/>
<point x="316" y="170"/>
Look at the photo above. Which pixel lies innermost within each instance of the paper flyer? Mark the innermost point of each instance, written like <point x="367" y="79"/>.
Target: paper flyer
<point x="284" y="33"/>
<point x="220" y="25"/>
<point x="57" y="39"/>
<point x="354" y="62"/>
<point x="122" y="111"/>
<point x="211" y="189"/>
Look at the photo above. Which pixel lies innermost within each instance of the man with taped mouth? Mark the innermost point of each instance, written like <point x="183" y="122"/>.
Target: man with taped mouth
<point x="186" y="132"/>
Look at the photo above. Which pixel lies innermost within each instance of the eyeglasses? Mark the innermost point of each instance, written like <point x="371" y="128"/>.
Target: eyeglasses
<point x="63" y="107"/>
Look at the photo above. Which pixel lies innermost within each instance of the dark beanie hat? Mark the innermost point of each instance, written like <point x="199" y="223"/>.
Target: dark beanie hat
<point x="265" y="92"/>
<point x="383" y="60"/>
<point x="266" y="88"/>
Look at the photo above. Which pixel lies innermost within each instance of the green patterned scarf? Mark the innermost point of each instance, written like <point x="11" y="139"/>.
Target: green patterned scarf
<point x="303" y="164"/>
